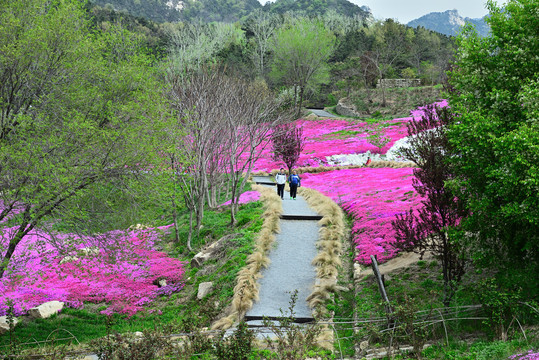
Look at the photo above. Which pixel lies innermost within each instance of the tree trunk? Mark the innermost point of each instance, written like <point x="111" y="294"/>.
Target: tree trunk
<point x="190" y="234"/>
<point x="301" y="92"/>
<point x="12" y="245"/>
<point x="175" y="220"/>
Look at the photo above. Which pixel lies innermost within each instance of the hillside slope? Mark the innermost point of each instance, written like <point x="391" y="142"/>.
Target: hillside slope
<point x="225" y="10"/>
<point x="187" y="10"/>
<point x="318" y="7"/>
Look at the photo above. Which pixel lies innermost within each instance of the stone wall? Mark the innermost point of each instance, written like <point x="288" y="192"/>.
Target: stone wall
<point x="393" y="83"/>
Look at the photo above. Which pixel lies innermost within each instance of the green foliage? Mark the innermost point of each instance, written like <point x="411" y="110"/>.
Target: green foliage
<point x="173" y="11"/>
<point x="290" y="340"/>
<point x="300" y="54"/>
<point x="376" y="136"/>
<point x="236" y="347"/>
<point x="87" y="102"/>
<point x="495" y="141"/>
<point x="153" y="34"/>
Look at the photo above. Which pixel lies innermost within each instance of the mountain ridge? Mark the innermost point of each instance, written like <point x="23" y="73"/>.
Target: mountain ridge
<point x="449" y="22"/>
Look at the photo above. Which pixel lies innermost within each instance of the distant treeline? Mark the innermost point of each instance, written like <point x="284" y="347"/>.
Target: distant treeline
<point x="363" y="52"/>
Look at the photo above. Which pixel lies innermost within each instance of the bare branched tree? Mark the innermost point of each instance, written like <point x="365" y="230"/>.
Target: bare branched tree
<point x="228" y="122"/>
<point x="263" y="25"/>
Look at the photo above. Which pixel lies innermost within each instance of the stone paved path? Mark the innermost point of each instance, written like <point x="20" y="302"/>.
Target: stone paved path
<point x="290" y="268"/>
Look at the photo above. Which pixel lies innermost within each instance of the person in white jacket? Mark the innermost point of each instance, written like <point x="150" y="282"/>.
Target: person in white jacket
<point x="280" y="178"/>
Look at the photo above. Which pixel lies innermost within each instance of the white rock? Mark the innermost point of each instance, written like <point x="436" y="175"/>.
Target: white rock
<point x="68" y="258"/>
<point x="162" y="283"/>
<point x="46" y="310"/>
<point x="204" y="289"/>
<point x="4" y="325"/>
<point x="94" y="250"/>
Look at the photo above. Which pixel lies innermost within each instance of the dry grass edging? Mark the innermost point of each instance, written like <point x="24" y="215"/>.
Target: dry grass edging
<point x="328" y="259"/>
<point x="246" y="290"/>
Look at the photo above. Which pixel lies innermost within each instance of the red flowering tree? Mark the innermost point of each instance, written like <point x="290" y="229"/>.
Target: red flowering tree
<point x="427" y="228"/>
<point x="288" y="143"/>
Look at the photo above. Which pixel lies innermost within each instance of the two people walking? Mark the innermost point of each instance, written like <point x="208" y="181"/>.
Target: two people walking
<point x="293" y="180"/>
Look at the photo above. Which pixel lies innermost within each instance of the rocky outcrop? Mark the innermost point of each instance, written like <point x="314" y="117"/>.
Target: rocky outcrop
<point x="345" y="109"/>
<point x="204" y="289"/>
<point x="46" y="310"/>
<point x="449" y="23"/>
<point x="4" y="324"/>
<point x="212" y="251"/>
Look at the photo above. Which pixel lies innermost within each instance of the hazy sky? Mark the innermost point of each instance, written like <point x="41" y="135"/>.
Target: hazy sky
<point x="407" y="10"/>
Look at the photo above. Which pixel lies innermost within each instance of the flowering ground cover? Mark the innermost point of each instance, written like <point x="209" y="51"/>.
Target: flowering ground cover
<point x="246" y="197"/>
<point x="373" y="197"/>
<point x="327" y="137"/>
<point x="124" y="277"/>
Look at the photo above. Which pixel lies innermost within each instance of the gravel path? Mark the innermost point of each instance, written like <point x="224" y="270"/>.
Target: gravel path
<point x="290" y="268"/>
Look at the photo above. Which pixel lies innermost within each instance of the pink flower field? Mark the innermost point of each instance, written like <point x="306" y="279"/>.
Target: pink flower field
<point x="373" y="197"/>
<point x="122" y="270"/>
<point x="124" y="279"/>
<point x="327" y="137"/>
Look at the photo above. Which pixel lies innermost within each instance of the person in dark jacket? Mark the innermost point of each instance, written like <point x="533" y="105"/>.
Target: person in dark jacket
<point x="294" y="181"/>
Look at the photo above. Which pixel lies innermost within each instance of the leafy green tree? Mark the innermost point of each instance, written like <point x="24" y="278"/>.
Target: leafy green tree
<point x="301" y="51"/>
<point x="495" y="140"/>
<point x="77" y="108"/>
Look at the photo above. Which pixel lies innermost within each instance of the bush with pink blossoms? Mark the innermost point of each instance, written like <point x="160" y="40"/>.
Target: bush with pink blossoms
<point x="246" y="197"/>
<point x="121" y="270"/>
<point x="373" y="197"/>
<point x="530" y="355"/>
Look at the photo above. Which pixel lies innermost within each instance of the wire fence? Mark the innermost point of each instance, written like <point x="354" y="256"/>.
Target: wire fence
<point x="338" y="326"/>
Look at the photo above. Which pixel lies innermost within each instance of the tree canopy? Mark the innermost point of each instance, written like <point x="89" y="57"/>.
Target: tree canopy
<point x="495" y="139"/>
<point x="301" y="50"/>
<point x="76" y="108"/>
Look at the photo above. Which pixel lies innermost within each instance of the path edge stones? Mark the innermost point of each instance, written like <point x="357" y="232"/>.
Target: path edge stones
<point x="328" y="259"/>
<point x="247" y="289"/>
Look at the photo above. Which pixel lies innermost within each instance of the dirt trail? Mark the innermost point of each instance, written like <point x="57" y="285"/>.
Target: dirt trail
<point x="404" y="260"/>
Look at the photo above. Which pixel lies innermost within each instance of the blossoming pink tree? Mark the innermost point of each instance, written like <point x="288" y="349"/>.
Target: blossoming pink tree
<point x="287" y="144"/>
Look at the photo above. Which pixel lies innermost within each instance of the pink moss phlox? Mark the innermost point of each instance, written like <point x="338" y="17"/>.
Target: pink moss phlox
<point x="373" y="197"/>
<point x="530" y="355"/>
<point x="121" y="273"/>
<point x="327" y="137"/>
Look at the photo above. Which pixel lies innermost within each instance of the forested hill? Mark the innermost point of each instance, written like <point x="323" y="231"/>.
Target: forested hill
<point x="318" y="7"/>
<point x="186" y="10"/>
<point x="225" y="10"/>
